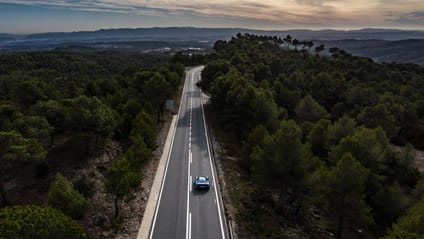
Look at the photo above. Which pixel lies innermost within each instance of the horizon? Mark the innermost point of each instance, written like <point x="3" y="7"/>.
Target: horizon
<point x="41" y="16"/>
<point x="200" y="27"/>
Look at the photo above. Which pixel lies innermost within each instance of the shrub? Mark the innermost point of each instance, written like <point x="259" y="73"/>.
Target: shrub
<point x="84" y="184"/>
<point x="64" y="197"/>
<point x="37" y="223"/>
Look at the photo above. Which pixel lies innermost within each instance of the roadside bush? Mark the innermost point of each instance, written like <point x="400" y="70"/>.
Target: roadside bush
<point x="84" y="184"/>
<point x="37" y="223"/>
<point x="64" y="197"/>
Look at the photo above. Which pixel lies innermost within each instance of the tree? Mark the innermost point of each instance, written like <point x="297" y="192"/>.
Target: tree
<point x="288" y="41"/>
<point x="14" y="149"/>
<point x="310" y="110"/>
<point x="35" y="127"/>
<point x="411" y="225"/>
<point x="317" y="137"/>
<point x="319" y="49"/>
<point x="64" y="197"/>
<point x="282" y="162"/>
<point x="121" y="181"/>
<point x="56" y="114"/>
<point x="157" y="90"/>
<point x="343" y="189"/>
<point x="27" y="93"/>
<point x="378" y="115"/>
<point x="212" y="71"/>
<point x="309" y="44"/>
<point x="343" y="127"/>
<point x="90" y="117"/>
<point x="38" y="223"/>
<point x="255" y="139"/>
<point x="296" y="43"/>
<point x="388" y="204"/>
<point x="7" y="111"/>
<point x="371" y="148"/>
<point x="263" y="110"/>
<point x="144" y="126"/>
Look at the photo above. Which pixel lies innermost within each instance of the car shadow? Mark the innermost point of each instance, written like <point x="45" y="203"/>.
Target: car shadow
<point x="199" y="192"/>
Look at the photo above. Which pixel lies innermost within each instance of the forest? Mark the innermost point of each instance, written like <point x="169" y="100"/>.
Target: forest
<point x="326" y="144"/>
<point x="84" y="101"/>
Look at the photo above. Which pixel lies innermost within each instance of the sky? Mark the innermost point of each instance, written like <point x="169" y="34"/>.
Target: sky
<point x="22" y="17"/>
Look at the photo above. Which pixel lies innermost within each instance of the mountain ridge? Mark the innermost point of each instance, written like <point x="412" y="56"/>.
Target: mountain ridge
<point x="385" y="45"/>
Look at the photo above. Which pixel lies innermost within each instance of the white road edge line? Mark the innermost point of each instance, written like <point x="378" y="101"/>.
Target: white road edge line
<point x="212" y="168"/>
<point x="189" y="228"/>
<point x="152" y="229"/>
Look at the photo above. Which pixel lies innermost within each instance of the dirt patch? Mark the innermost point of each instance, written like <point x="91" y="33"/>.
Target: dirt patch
<point x="419" y="160"/>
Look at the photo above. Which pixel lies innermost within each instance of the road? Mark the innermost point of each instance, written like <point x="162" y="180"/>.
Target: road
<point x="182" y="212"/>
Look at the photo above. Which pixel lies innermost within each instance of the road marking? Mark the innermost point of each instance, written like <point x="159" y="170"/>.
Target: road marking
<point x="188" y="220"/>
<point x="152" y="229"/>
<point x="212" y="168"/>
<point x="191" y="180"/>
<point x="189" y="228"/>
<point x="190" y="156"/>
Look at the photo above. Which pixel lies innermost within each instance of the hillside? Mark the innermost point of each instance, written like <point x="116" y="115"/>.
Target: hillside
<point x="380" y="44"/>
<point x="409" y="51"/>
<point x="72" y="127"/>
<point x="306" y="140"/>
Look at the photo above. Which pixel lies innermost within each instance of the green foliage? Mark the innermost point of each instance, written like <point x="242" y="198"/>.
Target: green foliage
<point x="27" y="93"/>
<point x="84" y="184"/>
<point x="255" y="139"/>
<point x="212" y="71"/>
<point x="254" y="82"/>
<point x="317" y="137"/>
<point x="91" y="116"/>
<point x="157" y="90"/>
<point x="282" y="162"/>
<point x="144" y="126"/>
<point x="388" y="204"/>
<point x="310" y="110"/>
<point x="33" y="127"/>
<point x="410" y="225"/>
<point x="378" y="115"/>
<point x="369" y="146"/>
<point x="64" y="197"/>
<point x="343" y="188"/>
<point x="15" y="150"/>
<point x="121" y="180"/>
<point x="138" y="153"/>
<point x="54" y="111"/>
<point x="343" y="127"/>
<point x="20" y="222"/>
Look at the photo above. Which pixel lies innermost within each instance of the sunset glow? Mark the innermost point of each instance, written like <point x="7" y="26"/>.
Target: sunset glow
<point x="69" y="15"/>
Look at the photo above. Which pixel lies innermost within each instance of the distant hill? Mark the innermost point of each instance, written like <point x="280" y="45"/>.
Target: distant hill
<point x="410" y="50"/>
<point x="379" y="44"/>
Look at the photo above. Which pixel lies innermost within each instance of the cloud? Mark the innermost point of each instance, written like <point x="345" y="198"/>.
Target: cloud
<point x="411" y="18"/>
<point x="326" y="13"/>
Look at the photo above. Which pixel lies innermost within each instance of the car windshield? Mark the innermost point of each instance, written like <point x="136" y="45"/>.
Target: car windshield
<point x="202" y="179"/>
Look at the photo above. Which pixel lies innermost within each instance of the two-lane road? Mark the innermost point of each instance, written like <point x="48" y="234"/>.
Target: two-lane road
<point x="182" y="212"/>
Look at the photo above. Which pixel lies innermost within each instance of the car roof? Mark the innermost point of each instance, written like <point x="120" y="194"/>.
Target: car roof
<point x="202" y="179"/>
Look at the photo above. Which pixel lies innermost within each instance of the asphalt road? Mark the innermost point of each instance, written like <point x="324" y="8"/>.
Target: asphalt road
<point x="182" y="212"/>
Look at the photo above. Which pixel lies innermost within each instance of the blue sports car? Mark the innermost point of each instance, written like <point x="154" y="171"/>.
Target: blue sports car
<point x="201" y="183"/>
